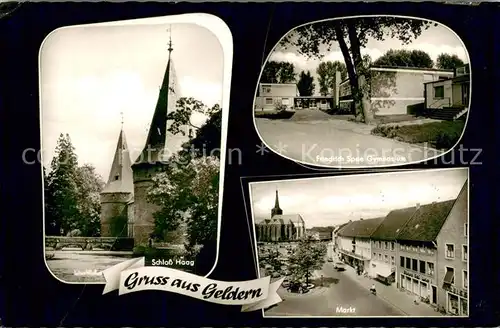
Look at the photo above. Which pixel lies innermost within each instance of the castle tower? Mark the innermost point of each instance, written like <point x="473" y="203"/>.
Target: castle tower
<point x="159" y="146"/>
<point x="117" y="193"/>
<point x="276" y="210"/>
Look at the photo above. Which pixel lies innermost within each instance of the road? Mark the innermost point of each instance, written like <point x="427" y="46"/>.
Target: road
<point x="316" y="140"/>
<point x="346" y="293"/>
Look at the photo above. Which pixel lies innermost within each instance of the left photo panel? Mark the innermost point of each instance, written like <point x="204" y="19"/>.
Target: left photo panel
<point x="133" y="130"/>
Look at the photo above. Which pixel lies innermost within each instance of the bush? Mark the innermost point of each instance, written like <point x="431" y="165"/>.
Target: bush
<point x="278" y="106"/>
<point x="386" y="131"/>
<point x="447" y="139"/>
<point x="146" y="251"/>
<point x="281" y="115"/>
<point x="440" y="135"/>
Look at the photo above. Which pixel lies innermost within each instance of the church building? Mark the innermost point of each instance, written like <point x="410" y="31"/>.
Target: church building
<point x="280" y="227"/>
<point x="125" y="210"/>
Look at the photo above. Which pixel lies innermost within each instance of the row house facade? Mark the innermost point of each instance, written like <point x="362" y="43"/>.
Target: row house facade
<point x="433" y="250"/>
<point x="421" y="250"/>
<point x="453" y="258"/>
<point x="355" y="244"/>
<point x="384" y="251"/>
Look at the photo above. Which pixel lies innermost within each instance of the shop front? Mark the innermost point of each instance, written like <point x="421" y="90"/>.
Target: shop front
<point x="382" y="272"/>
<point x="354" y="260"/>
<point x="456" y="301"/>
<point x="419" y="285"/>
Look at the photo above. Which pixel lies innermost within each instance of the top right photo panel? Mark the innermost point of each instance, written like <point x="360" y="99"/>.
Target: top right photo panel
<point x="364" y="91"/>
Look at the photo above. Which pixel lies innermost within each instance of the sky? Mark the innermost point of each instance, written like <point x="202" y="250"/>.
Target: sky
<point x="329" y="201"/>
<point x="91" y="74"/>
<point x="434" y="41"/>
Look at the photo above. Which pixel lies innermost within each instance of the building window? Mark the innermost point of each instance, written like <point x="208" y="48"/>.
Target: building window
<point x="393" y="246"/>
<point x="402" y="261"/>
<point x="377" y="244"/>
<point x="430" y="268"/>
<point x="449" y="277"/>
<point x="393" y="261"/>
<point x="439" y="92"/>
<point x="266" y="88"/>
<point x="464" y="253"/>
<point x="386" y="258"/>
<point x="117" y="177"/>
<point x="408" y="263"/>
<point x="285" y="101"/>
<point x="374" y="255"/>
<point x="450" y="251"/>
<point x="414" y="265"/>
<point x="380" y="257"/>
<point x="269" y="101"/>
<point x="422" y="266"/>
<point x="465" y="279"/>
<point x="466" y="226"/>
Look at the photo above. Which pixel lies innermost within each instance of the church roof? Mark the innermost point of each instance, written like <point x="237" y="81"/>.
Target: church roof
<point x="283" y="219"/>
<point x="120" y="175"/>
<point x="155" y="148"/>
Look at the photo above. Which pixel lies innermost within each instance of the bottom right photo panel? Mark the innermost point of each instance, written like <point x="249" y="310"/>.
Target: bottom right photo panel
<point x="365" y="245"/>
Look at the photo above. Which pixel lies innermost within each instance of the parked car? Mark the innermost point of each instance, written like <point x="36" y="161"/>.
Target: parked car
<point x="330" y="259"/>
<point x="339" y="266"/>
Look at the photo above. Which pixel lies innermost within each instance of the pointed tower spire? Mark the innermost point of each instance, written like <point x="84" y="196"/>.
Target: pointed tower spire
<point x="154" y="149"/>
<point x="276" y="210"/>
<point x="120" y="175"/>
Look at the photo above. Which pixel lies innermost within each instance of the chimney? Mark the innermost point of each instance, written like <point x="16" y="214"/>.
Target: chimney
<point x="336" y="94"/>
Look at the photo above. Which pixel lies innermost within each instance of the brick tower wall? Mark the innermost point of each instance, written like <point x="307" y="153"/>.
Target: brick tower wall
<point x="143" y="210"/>
<point x="112" y="205"/>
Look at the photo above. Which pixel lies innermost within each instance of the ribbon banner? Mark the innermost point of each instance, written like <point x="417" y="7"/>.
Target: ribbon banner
<point x="133" y="276"/>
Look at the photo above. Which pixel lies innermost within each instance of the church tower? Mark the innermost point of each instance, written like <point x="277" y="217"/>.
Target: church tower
<point x="118" y="192"/>
<point x="159" y="146"/>
<point x="276" y="210"/>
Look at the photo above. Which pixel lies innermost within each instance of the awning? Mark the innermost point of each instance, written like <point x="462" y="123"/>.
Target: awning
<point x="383" y="270"/>
<point x="448" y="277"/>
<point x="353" y="255"/>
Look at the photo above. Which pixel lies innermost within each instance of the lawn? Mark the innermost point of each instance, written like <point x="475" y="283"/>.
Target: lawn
<point x="440" y="135"/>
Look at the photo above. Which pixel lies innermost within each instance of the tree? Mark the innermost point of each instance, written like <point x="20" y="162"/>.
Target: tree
<point x="90" y="185"/>
<point x="186" y="108"/>
<point x="286" y="73"/>
<point x="52" y="223"/>
<point x="352" y="35"/>
<point x="207" y="140"/>
<point x="62" y="190"/>
<point x="273" y="259"/>
<point x="188" y="193"/>
<point x="326" y="76"/>
<point x="306" y="84"/>
<point x="306" y="257"/>
<point x="405" y="58"/>
<point x="278" y="72"/>
<point x="447" y="61"/>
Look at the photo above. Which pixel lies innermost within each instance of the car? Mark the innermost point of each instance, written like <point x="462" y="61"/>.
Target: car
<point x="339" y="266"/>
<point x="330" y="259"/>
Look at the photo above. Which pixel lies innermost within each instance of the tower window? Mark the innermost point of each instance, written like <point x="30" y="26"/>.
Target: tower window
<point x="117" y="177"/>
